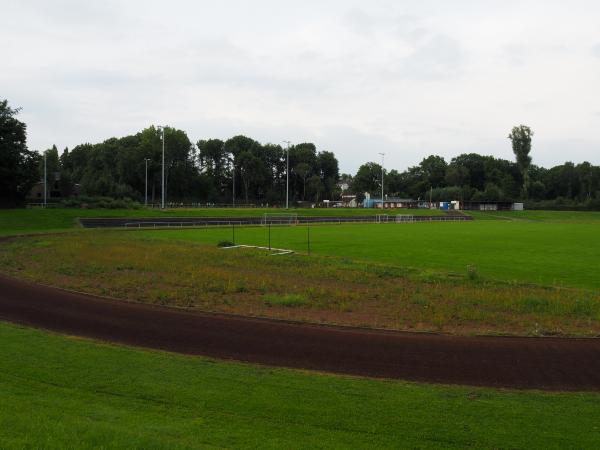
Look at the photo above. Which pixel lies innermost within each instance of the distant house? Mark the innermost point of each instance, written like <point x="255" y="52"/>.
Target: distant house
<point x="349" y="201"/>
<point x="392" y="202"/>
<point x="52" y="188"/>
<point x="491" y="206"/>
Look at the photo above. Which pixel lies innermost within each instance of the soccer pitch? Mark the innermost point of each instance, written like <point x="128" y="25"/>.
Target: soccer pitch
<point x="545" y="253"/>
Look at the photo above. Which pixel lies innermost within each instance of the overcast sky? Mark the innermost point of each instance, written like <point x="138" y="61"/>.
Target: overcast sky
<point x="408" y="78"/>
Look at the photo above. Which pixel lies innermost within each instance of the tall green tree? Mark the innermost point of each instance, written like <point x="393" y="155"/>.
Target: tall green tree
<point x="315" y="187"/>
<point x="52" y="163"/>
<point x="367" y="179"/>
<point x="18" y="165"/>
<point x="433" y="169"/>
<point x="251" y="171"/>
<point x="520" y="137"/>
<point x="303" y="170"/>
<point x="329" y="173"/>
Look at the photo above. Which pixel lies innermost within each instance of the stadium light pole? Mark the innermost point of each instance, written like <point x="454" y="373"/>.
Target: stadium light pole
<point x="45" y="179"/>
<point x="146" y="190"/>
<point x="162" y="206"/>
<point x="287" y="176"/>
<point x="382" y="161"/>
<point x="232" y="181"/>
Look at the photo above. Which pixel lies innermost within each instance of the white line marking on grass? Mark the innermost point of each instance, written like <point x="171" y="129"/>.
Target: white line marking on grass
<point x="275" y="251"/>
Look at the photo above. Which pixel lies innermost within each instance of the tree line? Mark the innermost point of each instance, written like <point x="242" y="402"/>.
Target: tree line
<point x="245" y="171"/>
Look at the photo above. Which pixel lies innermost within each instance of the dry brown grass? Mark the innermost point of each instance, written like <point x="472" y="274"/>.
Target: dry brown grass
<point x="128" y="266"/>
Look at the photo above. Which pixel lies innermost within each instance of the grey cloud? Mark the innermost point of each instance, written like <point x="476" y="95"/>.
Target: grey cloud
<point x="440" y="57"/>
<point x="74" y="13"/>
<point x="409" y="29"/>
<point x="359" y="22"/>
<point x="230" y="77"/>
<point x="91" y="70"/>
<point x="522" y="53"/>
<point x="102" y="78"/>
<point x="517" y="55"/>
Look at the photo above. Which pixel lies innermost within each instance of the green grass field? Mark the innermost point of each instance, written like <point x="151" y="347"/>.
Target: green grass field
<point x="36" y="220"/>
<point x="546" y="253"/>
<point x="59" y="392"/>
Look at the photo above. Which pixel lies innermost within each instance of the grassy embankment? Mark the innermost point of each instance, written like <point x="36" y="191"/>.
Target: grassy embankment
<point x="165" y="268"/>
<point x="36" y="220"/>
<point x="60" y="392"/>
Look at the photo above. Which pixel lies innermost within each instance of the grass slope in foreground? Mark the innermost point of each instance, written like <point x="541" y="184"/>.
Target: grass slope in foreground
<point x="60" y="392"/>
<point x="36" y="220"/>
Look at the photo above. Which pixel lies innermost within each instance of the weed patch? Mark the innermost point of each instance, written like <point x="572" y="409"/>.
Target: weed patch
<point x="319" y="288"/>
<point x="287" y="300"/>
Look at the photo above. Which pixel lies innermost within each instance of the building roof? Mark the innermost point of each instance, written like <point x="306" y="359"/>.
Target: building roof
<point x="394" y="200"/>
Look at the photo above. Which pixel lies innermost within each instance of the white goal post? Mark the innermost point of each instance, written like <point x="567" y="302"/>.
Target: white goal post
<point x="382" y="218"/>
<point x="402" y="218"/>
<point x="280" y="219"/>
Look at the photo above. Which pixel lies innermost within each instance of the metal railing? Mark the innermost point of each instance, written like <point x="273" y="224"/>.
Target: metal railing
<point x="305" y="220"/>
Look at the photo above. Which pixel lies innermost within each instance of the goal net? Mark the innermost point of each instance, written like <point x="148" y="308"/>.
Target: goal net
<point x="382" y="218"/>
<point x="280" y="219"/>
<point x="401" y="218"/>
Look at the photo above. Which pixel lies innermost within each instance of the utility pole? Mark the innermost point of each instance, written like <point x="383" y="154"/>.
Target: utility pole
<point x="430" y="196"/>
<point x="45" y="180"/>
<point x="146" y="190"/>
<point x="162" y="206"/>
<point x="382" y="161"/>
<point x="233" y="181"/>
<point x="287" y="176"/>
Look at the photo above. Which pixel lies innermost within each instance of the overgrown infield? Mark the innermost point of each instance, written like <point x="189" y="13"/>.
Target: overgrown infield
<point x="395" y="276"/>
<point x="59" y="392"/>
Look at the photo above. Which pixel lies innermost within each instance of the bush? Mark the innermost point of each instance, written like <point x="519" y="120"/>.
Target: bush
<point x="225" y="244"/>
<point x="472" y="273"/>
<point x="85" y="201"/>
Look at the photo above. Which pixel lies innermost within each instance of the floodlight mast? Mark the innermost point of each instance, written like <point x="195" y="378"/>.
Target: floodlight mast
<point x="233" y="181"/>
<point x="287" y="176"/>
<point x="162" y="206"/>
<point x="45" y="178"/>
<point x="146" y="189"/>
<point x="382" y="162"/>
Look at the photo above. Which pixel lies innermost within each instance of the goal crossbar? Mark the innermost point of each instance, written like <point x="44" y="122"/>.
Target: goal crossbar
<point x="280" y="218"/>
<point x="401" y="218"/>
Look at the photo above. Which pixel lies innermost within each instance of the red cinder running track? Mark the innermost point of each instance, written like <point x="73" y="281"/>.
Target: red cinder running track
<point x="523" y="363"/>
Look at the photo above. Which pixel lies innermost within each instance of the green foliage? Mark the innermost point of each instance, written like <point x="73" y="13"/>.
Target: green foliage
<point x="115" y="168"/>
<point x="521" y="144"/>
<point x="84" y="201"/>
<point x="367" y="179"/>
<point x="18" y="165"/>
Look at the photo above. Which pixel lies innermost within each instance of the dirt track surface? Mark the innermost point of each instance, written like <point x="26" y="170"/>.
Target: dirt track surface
<point x="531" y="363"/>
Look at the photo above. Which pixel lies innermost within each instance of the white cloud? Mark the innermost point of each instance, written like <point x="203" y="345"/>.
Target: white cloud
<point x="410" y="78"/>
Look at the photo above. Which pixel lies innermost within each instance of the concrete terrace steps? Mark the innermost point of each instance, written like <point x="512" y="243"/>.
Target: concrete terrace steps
<point x="156" y="222"/>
